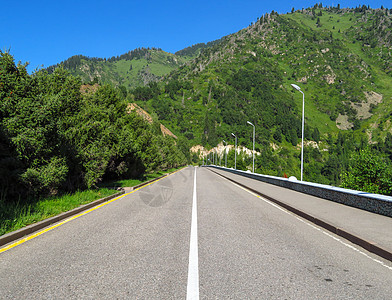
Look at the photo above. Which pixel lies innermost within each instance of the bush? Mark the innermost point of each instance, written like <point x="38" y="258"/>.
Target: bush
<point x="54" y="139"/>
<point x="47" y="178"/>
<point x="368" y="172"/>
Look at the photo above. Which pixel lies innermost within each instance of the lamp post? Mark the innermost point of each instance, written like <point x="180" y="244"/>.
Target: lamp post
<point x="225" y="153"/>
<point x="303" y="123"/>
<point x="253" y="144"/>
<point x="235" y="153"/>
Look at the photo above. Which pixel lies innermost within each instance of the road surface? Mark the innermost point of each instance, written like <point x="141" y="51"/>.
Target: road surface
<point x="138" y="247"/>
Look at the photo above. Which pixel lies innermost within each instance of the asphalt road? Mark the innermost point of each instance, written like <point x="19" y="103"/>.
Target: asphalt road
<point x="138" y="247"/>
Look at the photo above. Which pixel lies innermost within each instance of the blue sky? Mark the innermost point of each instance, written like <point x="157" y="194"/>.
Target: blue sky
<point x="48" y="32"/>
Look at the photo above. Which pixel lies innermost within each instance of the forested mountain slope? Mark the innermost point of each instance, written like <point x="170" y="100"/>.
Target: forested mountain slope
<point x="134" y="68"/>
<point x="340" y="72"/>
<point x="339" y="57"/>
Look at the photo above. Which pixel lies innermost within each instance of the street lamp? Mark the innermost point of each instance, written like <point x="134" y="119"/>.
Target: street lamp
<point x="303" y="123"/>
<point x="225" y="153"/>
<point x="253" y="144"/>
<point x="235" y="153"/>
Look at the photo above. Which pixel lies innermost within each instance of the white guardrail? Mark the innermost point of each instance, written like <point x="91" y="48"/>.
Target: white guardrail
<point x="375" y="203"/>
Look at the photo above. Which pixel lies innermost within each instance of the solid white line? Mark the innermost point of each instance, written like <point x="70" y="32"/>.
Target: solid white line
<point x="192" y="291"/>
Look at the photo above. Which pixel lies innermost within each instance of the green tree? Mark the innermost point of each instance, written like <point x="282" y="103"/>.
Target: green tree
<point x="388" y="145"/>
<point x="278" y="135"/>
<point x="368" y="172"/>
<point x="293" y="137"/>
<point x="183" y="146"/>
<point x="53" y="138"/>
<point x="316" y="135"/>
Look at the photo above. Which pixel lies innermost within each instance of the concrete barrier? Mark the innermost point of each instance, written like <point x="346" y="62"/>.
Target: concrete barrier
<point x="375" y="203"/>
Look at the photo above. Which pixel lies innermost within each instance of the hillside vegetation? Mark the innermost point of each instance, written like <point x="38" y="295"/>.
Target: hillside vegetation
<point x="339" y="57"/>
<point x="134" y="68"/>
<point x="58" y="136"/>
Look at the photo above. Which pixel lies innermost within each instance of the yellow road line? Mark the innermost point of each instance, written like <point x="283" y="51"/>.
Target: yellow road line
<point x="30" y="237"/>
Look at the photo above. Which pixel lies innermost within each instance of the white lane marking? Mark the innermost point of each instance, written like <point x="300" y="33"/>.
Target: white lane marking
<point x="345" y="244"/>
<point x="313" y="226"/>
<point x="192" y="291"/>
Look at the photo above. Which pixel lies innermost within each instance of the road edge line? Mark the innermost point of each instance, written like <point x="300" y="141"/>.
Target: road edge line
<point x="29" y="229"/>
<point x="368" y="245"/>
<point x="20" y="236"/>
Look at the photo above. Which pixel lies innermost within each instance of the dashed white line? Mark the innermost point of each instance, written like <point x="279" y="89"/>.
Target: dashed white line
<point x="193" y="268"/>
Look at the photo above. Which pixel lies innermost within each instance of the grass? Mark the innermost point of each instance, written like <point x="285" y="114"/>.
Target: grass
<point x="339" y="25"/>
<point x="159" y="65"/>
<point x="15" y="216"/>
<point x="120" y="72"/>
<point x="134" y="182"/>
<point x="330" y="21"/>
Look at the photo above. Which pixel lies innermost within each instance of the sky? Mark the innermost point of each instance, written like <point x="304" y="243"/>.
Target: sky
<point x="45" y="33"/>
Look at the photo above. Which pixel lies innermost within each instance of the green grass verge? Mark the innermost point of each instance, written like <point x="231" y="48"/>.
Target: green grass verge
<point x="14" y="216"/>
<point x="134" y="182"/>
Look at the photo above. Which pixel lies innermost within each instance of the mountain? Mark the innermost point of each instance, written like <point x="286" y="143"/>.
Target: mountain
<point x="339" y="57"/>
<point x="194" y="50"/>
<point x="134" y="68"/>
